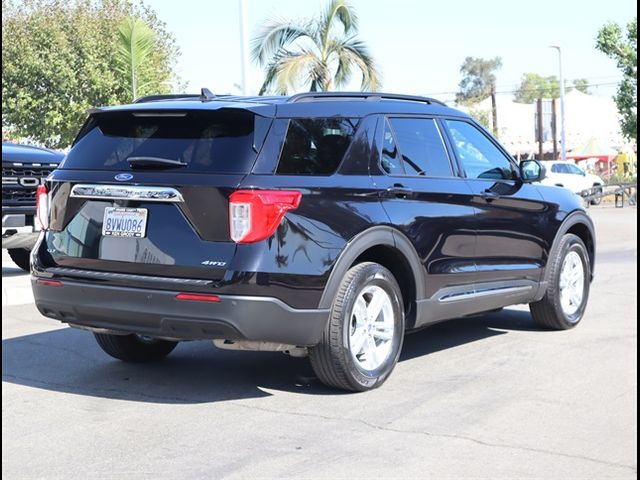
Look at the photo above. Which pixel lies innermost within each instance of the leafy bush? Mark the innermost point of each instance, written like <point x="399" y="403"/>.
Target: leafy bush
<point x="620" y="178"/>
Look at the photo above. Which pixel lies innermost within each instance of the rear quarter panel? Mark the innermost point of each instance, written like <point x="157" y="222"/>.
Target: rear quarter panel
<point x="295" y="263"/>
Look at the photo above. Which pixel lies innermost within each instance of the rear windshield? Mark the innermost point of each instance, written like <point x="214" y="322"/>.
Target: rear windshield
<point x="209" y="142"/>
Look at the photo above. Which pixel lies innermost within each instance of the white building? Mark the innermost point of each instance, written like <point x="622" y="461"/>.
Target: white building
<point x="586" y="116"/>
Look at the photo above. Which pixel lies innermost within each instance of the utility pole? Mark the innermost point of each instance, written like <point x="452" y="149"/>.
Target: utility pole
<point x="540" y="132"/>
<point x="563" y="143"/>
<point x="554" y="129"/>
<point x="243" y="44"/>
<point x="494" y="109"/>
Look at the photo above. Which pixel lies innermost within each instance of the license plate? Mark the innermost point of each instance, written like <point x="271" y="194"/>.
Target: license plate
<point x="124" y="222"/>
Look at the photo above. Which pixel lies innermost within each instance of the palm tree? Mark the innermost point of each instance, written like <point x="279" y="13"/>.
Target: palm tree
<point x="314" y="53"/>
<point x="136" y="43"/>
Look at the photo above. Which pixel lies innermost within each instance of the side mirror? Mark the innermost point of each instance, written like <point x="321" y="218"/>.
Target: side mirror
<point x="531" y="171"/>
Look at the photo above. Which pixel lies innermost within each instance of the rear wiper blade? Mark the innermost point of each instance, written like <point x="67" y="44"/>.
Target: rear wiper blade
<point x="154" y="162"/>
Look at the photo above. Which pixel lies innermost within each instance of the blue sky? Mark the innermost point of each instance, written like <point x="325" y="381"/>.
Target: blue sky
<point x="418" y="45"/>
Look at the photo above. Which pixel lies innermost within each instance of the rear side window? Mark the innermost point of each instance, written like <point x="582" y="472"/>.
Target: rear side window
<point x="421" y="147"/>
<point x="207" y="142"/>
<point x="560" y="168"/>
<point x="315" y="146"/>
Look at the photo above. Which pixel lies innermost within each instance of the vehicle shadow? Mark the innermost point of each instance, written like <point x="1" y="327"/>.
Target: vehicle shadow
<point x="69" y="361"/>
<point x="453" y="333"/>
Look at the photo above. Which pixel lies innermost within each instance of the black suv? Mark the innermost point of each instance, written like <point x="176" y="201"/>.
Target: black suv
<point x="321" y="224"/>
<point x="24" y="169"/>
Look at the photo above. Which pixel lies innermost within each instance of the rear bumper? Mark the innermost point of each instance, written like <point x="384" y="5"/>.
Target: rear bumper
<point x="157" y="313"/>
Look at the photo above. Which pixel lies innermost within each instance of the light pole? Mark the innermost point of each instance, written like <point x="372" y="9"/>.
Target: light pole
<point x="243" y="44"/>
<point x="563" y="138"/>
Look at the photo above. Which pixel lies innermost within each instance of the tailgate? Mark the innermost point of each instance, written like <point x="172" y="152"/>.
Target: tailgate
<point x="147" y="192"/>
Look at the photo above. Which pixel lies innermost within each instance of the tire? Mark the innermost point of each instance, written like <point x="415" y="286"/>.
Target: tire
<point x="560" y="311"/>
<point x="380" y="340"/>
<point x="20" y="257"/>
<point x="598" y="190"/>
<point x="134" y="348"/>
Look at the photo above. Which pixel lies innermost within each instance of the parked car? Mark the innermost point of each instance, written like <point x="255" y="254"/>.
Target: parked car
<point x="569" y="175"/>
<point x="24" y="168"/>
<point x="321" y="224"/>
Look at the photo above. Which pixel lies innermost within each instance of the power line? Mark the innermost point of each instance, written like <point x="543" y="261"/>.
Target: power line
<point x="503" y="92"/>
<point x="590" y="85"/>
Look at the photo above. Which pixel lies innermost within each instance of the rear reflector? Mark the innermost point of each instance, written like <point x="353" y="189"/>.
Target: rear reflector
<point x="42" y="208"/>
<point x="254" y="215"/>
<point x="49" y="283"/>
<point x="198" y="297"/>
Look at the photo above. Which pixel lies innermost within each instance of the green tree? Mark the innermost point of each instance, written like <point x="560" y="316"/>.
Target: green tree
<point x="319" y="54"/>
<point x="136" y="43"/>
<point x="478" y="79"/>
<point x="483" y="116"/>
<point x="623" y="48"/>
<point x="582" y="85"/>
<point x="534" y="86"/>
<point x="58" y="61"/>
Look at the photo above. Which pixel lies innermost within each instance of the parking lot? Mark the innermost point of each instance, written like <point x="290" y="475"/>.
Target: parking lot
<point x="485" y="397"/>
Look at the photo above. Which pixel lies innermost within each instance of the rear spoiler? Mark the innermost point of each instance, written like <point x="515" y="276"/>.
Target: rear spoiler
<point x="205" y="96"/>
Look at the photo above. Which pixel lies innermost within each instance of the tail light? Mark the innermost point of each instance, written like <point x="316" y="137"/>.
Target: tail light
<point x="198" y="297"/>
<point x="255" y="214"/>
<point x="49" y="283"/>
<point x="42" y="207"/>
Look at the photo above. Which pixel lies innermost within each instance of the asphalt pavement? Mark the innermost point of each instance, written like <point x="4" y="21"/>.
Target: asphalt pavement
<point x="486" y="397"/>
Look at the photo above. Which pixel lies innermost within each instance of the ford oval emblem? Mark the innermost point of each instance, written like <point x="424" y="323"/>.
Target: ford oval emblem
<point x="123" y="177"/>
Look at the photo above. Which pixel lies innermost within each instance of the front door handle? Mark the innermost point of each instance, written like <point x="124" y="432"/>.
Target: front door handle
<point x="490" y="195"/>
<point x="399" y="191"/>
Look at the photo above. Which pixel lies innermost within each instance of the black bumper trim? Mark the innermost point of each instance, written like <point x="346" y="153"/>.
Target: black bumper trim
<point x="157" y="313"/>
<point x="141" y="280"/>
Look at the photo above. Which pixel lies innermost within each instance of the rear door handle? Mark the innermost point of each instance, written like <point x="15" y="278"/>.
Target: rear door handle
<point x="399" y="191"/>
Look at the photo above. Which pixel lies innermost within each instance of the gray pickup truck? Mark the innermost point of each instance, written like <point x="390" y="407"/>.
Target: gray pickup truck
<point x="24" y="168"/>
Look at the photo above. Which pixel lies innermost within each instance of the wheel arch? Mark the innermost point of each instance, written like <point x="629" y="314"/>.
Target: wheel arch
<point x="588" y="238"/>
<point x="577" y="223"/>
<point x="390" y="248"/>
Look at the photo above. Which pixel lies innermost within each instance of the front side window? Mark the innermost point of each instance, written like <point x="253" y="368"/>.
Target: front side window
<point x="315" y="146"/>
<point x="574" y="170"/>
<point x="422" y="152"/>
<point x="479" y="156"/>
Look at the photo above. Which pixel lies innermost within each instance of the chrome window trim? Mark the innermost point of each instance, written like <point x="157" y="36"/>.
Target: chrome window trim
<point x="127" y="192"/>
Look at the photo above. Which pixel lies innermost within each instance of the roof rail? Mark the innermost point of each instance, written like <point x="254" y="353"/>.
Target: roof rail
<point x="371" y="96"/>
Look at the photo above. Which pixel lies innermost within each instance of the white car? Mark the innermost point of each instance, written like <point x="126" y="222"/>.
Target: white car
<point x="569" y="175"/>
